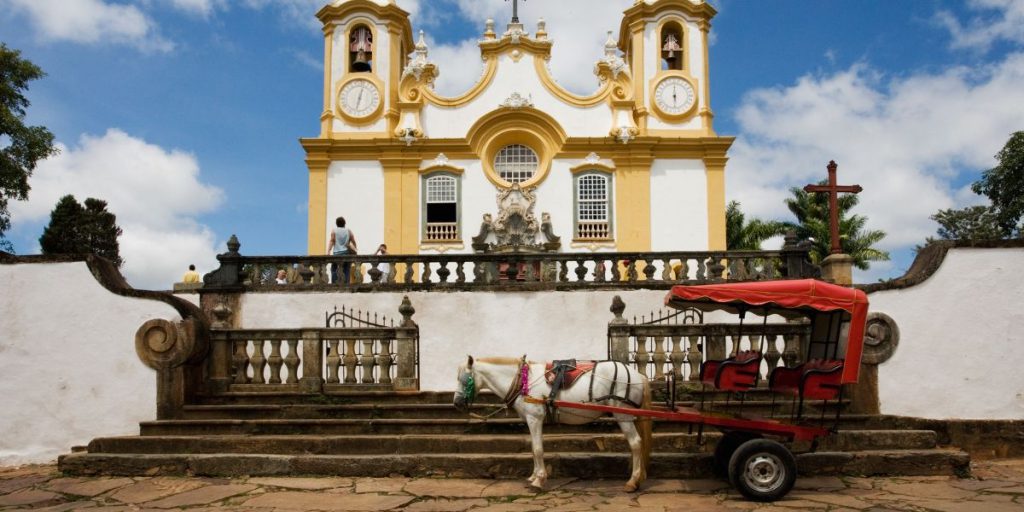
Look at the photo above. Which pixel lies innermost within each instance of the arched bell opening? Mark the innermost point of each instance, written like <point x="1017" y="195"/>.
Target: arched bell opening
<point x="360" y="49"/>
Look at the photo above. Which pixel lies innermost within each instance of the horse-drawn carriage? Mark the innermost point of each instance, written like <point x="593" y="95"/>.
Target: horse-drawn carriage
<point x="753" y="450"/>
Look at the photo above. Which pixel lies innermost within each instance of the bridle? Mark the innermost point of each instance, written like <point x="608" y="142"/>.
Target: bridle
<point x="520" y="385"/>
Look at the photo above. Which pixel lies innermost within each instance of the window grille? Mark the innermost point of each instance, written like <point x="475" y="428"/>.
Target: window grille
<point x="516" y="163"/>
<point x="441" y="189"/>
<point x="592" y="207"/>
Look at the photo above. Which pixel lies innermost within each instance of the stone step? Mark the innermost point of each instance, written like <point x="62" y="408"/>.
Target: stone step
<point x="396" y="426"/>
<point x="433" y="410"/>
<point x="409" y="444"/>
<point x="515" y="465"/>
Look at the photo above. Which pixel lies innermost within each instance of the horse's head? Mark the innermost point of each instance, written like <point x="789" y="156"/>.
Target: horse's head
<point x="467" y="386"/>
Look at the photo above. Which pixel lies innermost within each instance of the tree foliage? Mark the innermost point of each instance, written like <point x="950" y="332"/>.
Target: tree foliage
<point x="812" y="214"/>
<point x="741" y="235"/>
<point x="75" y="229"/>
<point x="1004" y="184"/>
<point x="21" y="146"/>
<point x="971" y="223"/>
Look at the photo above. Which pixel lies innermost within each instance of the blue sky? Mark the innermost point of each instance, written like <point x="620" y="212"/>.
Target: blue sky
<point x="185" y="114"/>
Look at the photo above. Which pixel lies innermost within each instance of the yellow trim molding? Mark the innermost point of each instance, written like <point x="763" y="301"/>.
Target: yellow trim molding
<point x="440" y="164"/>
<point x="592" y="164"/>
<point x="616" y="88"/>
<point x="317" y="211"/>
<point x="640" y="12"/>
<point x="412" y="94"/>
<point x="633" y="200"/>
<point x="391" y="13"/>
<point x="327" y="117"/>
<point x="715" y="175"/>
<point x="527" y="126"/>
<point x="683" y="36"/>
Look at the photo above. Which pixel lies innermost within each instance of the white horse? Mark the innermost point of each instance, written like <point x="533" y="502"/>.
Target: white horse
<point x="609" y="383"/>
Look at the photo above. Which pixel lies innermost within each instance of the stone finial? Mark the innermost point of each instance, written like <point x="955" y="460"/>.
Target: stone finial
<point x="611" y="46"/>
<point x="489" y="29"/>
<point x="790" y="240"/>
<point x="222" y="315"/>
<point x="233" y="245"/>
<point x="542" y="29"/>
<point x="406" y="310"/>
<point x="617" y="308"/>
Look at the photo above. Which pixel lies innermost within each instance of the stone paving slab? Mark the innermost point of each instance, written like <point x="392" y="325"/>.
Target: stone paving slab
<point x="997" y="486"/>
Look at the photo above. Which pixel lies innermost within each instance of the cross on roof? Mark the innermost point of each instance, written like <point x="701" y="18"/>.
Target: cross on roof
<point x="833" y="189"/>
<point x="515" y="10"/>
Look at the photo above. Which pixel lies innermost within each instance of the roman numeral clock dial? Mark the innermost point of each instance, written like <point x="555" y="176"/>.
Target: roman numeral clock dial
<point x="359" y="100"/>
<point x="674" y="97"/>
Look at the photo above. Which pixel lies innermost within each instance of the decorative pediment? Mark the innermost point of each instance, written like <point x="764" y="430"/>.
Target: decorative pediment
<point x="516" y="228"/>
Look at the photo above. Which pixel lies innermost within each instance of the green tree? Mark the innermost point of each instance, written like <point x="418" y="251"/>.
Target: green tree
<point x="812" y="215"/>
<point x="21" y="147"/>
<point x="1004" y="183"/>
<point x="971" y="223"/>
<point x="75" y="229"/>
<point x="741" y="235"/>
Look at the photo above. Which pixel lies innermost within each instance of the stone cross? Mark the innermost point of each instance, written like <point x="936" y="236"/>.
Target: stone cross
<point x="833" y="189"/>
<point x="515" y="10"/>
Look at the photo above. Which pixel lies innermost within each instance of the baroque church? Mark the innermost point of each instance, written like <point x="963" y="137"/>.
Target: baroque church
<point x="517" y="162"/>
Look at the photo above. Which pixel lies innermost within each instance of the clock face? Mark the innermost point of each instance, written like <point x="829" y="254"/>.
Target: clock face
<point x="359" y="98"/>
<point x="674" y="96"/>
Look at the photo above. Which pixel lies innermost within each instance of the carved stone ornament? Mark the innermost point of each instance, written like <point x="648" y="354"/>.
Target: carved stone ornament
<point x="881" y="337"/>
<point x="612" y="59"/>
<point x="517" y="100"/>
<point x="516" y="228"/>
<point x="419" y="63"/>
<point x="164" y="345"/>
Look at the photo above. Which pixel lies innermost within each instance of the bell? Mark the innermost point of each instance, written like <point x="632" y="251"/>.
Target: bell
<point x="361" y="64"/>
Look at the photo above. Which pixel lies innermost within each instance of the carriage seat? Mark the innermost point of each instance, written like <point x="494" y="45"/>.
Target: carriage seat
<point x="737" y="373"/>
<point x="817" y="379"/>
<point x="570" y="369"/>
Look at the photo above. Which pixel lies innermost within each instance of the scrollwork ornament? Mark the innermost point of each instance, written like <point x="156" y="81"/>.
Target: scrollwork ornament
<point x="881" y="337"/>
<point x="163" y="345"/>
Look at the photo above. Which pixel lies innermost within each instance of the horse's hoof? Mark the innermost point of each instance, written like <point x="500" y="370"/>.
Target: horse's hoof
<point x="631" y="487"/>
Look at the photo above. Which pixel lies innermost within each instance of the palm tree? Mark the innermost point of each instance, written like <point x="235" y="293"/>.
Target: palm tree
<point x="748" y="236"/>
<point x="812" y="212"/>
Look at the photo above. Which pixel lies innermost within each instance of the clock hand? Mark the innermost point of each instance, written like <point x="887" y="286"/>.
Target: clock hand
<point x="359" y="99"/>
<point x="675" y="100"/>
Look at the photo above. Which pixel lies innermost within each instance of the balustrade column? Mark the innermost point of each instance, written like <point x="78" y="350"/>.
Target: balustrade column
<point x="275" y="361"/>
<point x="694" y="358"/>
<point x="367" y="361"/>
<point x="405" y="347"/>
<point x="220" y="362"/>
<point x="642" y="355"/>
<point x="677" y="357"/>
<point x="772" y="355"/>
<point x="312" y="380"/>
<point x="258" y="361"/>
<point x="659" y="357"/>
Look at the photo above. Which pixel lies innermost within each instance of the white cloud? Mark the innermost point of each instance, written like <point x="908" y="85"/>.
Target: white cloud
<point x="1002" y="20"/>
<point x="203" y="8"/>
<point x="91" y="22"/>
<point x="156" y="195"/>
<point x="302" y="12"/>
<point x="904" y="139"/>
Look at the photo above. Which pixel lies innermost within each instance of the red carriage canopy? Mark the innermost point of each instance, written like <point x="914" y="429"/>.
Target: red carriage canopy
<point x="803" y="297"/>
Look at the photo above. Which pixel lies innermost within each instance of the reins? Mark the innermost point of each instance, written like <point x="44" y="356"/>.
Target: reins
<point x="520" y="385"/>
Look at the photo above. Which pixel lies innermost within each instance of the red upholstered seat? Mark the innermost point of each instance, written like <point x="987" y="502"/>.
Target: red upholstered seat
<point x="817" y="379"/>
<point x="738" y="373"/>
<point x="571" y="375"/>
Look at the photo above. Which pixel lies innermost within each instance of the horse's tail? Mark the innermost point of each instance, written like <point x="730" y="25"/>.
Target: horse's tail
<point x="645" y="427"/>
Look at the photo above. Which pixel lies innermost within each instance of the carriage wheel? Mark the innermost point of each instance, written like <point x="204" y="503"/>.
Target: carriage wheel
<point x="762" y="470"/>
<point x="727" y="445"/>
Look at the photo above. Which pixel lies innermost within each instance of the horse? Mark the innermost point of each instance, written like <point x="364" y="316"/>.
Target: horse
<point x="612" y="382"/>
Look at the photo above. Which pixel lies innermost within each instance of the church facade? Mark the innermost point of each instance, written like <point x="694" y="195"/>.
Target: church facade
<point x="517" y="162"/>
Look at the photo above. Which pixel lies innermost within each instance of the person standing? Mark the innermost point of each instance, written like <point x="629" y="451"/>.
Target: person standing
<point x="384" y="267"/>
<point x="341" y="243"/>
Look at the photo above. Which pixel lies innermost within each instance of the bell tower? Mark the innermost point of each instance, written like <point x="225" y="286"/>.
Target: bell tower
<point x="365" y="44"/>
<point x="666" y="47"/>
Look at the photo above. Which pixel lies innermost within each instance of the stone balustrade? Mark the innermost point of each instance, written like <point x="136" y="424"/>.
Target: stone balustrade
<point x="508" y="271"/>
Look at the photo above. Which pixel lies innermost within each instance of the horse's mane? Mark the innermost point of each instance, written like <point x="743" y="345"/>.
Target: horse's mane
<point x="501" y="360"/>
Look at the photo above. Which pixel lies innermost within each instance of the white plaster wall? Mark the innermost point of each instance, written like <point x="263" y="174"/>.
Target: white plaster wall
<point x="355" y="190"/>
<point x="679" y="211"/>
<point x="521" y="77"/>
<point x="70" y="370"/>
<point x="544" y="326"/>
<point x="961" y="345"/>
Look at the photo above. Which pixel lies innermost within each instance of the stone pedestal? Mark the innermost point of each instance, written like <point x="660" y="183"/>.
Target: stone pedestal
<point x="838" y="269"/>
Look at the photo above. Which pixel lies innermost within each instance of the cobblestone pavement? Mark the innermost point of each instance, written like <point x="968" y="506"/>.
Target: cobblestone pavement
<point x="997" y="486"/>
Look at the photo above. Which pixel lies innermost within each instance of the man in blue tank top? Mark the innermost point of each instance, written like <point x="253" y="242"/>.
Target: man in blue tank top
<point x="342" y="242"/>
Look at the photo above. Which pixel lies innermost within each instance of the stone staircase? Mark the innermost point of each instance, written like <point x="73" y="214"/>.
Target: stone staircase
<point x="421" y="434"/>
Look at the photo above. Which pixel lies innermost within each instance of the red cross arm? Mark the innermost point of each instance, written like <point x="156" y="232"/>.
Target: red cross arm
<point x="853" y="189"/>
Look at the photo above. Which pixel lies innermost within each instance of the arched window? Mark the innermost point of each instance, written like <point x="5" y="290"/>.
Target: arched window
<point x="593" y="206"/>
<point x="441" y="197"/>
<point x="516" y="163"/>
<point x="672" y="46"/>
<point x="360" y="49"/>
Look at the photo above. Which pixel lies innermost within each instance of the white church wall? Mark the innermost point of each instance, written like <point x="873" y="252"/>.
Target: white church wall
<point x="960" y="346"/>
<point x="68" y="352"/>
<point x="518" y="77"/>
<point x="347" y="186"/>
<point x="544" y="326"/>
<point x="679" y="208"/>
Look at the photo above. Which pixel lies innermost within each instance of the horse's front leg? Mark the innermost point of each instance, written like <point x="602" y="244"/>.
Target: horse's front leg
<point x="540" y="474"/>
<point x="636" y="476"/>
